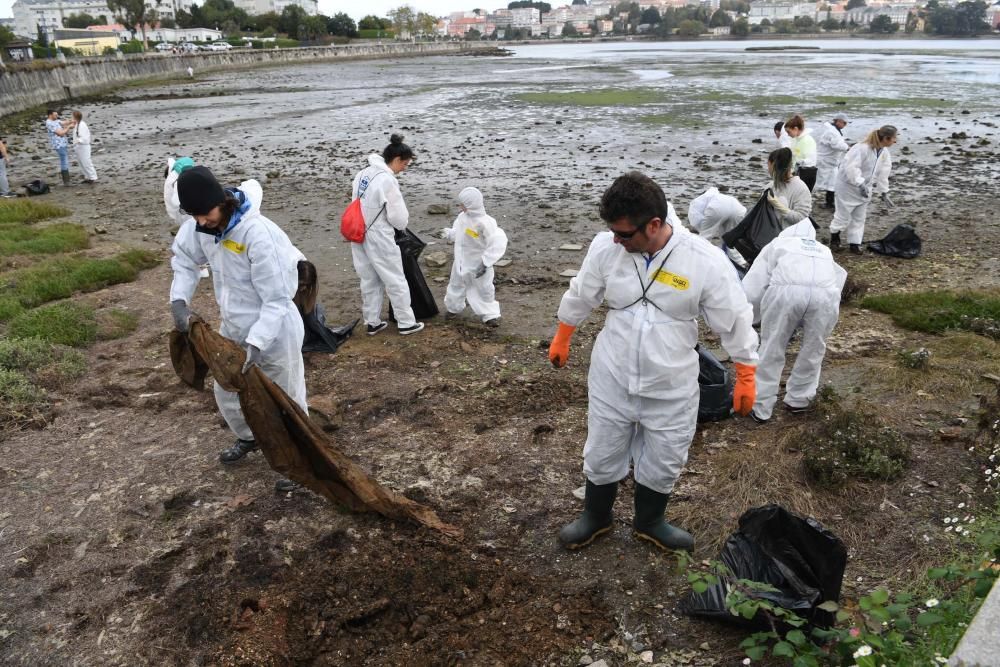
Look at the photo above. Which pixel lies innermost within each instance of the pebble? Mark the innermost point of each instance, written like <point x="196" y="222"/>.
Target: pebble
<point x="571" y="246"/>
<point x="646" y="656"/>
<point x="436" y="259"/>
<point x="580" y="493"/>
<point x="569" y="273"/>
<point x="585" y="660"/>
<point x="502" y="263"/>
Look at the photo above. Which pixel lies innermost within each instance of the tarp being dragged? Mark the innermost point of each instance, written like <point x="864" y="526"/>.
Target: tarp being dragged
<point x="292" y="444"/>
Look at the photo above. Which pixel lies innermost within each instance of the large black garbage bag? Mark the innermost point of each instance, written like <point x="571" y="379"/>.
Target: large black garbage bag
<point x="901" y="241"/>
<point x="321" y="338"/>
<point x="799" y="557"/>
<point x="36" y="187"/>
<point x="421" y="300"/>
<point x="760" y="226"/>
<point x="716" y="399"/>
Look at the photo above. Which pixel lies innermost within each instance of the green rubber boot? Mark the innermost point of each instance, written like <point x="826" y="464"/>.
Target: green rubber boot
<point x="597" y="517"/>
<point x="650" y="525"/>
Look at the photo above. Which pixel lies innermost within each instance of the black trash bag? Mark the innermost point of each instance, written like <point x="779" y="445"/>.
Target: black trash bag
<point x="716" y="401"/>
<point x="799" y="557"/>
<point x="321" y="338"/>
<point x="421" y="300"/>
<point x="901" y="241"/>
<point x="759" y="227"/>
<point x="36" y="187"/>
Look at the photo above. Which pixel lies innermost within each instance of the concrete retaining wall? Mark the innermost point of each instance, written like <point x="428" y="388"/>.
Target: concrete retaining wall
<point x="23" y="87"/>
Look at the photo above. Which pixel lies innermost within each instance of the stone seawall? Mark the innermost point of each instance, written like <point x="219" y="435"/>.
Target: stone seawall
<point x="23" y="87"/>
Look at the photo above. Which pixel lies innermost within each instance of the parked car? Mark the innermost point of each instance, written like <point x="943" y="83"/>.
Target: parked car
<point x="188" y="46"/>
<point x="220" y="46"/>
<point x="164" y="46"/>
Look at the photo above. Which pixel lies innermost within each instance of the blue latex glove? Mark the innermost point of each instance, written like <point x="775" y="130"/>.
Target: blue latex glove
<point x="253" y="358"/>
<point x="182" y="163"/>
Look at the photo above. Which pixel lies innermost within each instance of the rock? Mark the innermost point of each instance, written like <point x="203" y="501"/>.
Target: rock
<point x="569" y="273"/>
<point x="704" y="646"/>
<point x="571" y="246"/>
<point x="502" y="263"/>
<point x="599" y="663"/>
<point x="580" y="493"/>
<point x="646" y="657"/>
<point x="440" y="279"/>
<point x="436" y="259"/>
<point x="544" y="205"/>
<point x="438" y="209"/>
<point x="100" y="229"/>
<point x="950" y="433"/>
<point x="585" y="660"/>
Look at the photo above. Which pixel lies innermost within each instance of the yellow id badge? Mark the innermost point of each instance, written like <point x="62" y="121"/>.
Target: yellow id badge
<point x="672" y="279"/>
<point x="233" y="246"/>
<point x="472" y="232"/>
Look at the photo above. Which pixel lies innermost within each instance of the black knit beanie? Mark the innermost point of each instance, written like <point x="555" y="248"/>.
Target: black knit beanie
<point x="198" y="191"/>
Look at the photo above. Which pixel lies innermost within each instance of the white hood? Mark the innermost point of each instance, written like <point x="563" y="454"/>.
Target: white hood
<point x="254" y="193"/>
<point x="472" y="200"/>
<point x="803" y="229"/>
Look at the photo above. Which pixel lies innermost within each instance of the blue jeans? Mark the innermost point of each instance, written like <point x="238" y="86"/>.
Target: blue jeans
<point x="4" y="185"/>
<point x="63" y="154"/>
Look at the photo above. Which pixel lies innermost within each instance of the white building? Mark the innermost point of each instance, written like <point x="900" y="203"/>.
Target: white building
<point x="525" y="17"/>
<point x="30" y="15"/>
<point x="865" y="15"/>
<point x="253" y="7"/>
<point x="780" y="11"/>
<point x="178" y="35"/>
<point x="311" y="7"/>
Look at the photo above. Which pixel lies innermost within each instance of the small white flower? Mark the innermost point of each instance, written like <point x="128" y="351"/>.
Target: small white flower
<point x="746" y="661"/>
<point x="989" y="471"/>
<point x="961" y="505"/>
<point x="947" y="520"/>
<point x="948" y="529"/>
<point x="863" y="651"/>
<point x="931" y="603"/>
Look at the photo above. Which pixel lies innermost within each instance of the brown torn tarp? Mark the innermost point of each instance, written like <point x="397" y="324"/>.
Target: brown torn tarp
<point x="292" y="444"/>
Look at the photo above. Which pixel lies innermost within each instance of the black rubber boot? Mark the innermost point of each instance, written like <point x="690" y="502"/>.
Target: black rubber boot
<point x="835" y="240"/>
<point x="240" y="449"/>
<point x="597" y="517"/>
<point x="855" y="249"/>
<point x="650" y="525"/>
<point x="829" y="199"/>
<point x="65" y="177"/>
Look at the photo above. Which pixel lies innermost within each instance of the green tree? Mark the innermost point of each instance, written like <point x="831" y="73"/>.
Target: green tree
<point x="649" y="15"/>
<point x="962" y="20"/>
<point x="741" y="28"/>
<point x="134" y="15"/>
<point x="720" y="18"/>
<point x="292" y="19"/>
<point x="168" y="23"/>
<point x="690" y="28"/>
<point x="578" y="2"/>
<point x="804" y="23"/>
<point x="342" y="25"/>
<point x="372" y="22"/>
<point x="425" y="24"/>
<point x="830" y="24"/>
<point x="569" y="30"/>
<point x="543" y="7"/>
<point x="738" y="6"/>
<point x="882" y="24"/>
<point x="911" y="22"/>
<point x="6" y="36"/>
<point x="403" y="19"/>
<point x="851" y="4"/>
<point x="81" y="20"/>
<point x="473" y="35"/>
<point x="262" y="22"/>
<point x="784" y="26"/>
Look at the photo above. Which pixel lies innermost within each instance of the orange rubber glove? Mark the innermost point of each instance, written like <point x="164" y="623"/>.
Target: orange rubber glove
<point x="559" y="348"/>
<point x="745" y="391"/>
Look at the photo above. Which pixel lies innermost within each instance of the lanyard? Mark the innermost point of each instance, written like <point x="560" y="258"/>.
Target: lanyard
<point x="645" y="287"/>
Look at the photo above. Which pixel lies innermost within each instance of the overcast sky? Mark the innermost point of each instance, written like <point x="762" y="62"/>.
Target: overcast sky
<point x="358" y="9"/>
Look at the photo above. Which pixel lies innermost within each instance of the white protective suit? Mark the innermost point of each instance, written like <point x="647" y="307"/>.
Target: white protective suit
<point x="713" y="214"/>
<point x="830" y="149"/>
<point x="793" y="282"/>
<point x="477" y="239"/>
<point x="81" y="145"/>
<point x="377" y="259"/>
<point x="862" y="167"/>
<point x="255" y="277"/>
<point x="643" y="379"/>
<point x="171" y="201"/>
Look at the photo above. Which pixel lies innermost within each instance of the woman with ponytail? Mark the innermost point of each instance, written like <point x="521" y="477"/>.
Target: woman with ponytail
<point x="863" y="171"/>
<point x="377" y="258"/>
<point x="789" y="196"/>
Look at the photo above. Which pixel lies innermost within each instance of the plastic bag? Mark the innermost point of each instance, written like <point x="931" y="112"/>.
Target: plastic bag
<point x="713" y="214"/>
<point x="716" y="391"/>
<point x="321" y="338"/>
<point x="37" y="187"/>
<point x="760" y="226"/>
<point x="421" y="300"/>
<point x="799" y="557"/>
<point x="901" y="241"/>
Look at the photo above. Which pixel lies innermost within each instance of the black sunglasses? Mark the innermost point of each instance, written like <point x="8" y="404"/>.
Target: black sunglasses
<point x="625" y="236"/>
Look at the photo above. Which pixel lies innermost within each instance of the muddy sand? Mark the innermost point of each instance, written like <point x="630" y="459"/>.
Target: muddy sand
<point x="124" y="541"/>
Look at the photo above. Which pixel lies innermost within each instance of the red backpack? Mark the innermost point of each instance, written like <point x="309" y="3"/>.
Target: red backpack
<point x="352" y="222"/>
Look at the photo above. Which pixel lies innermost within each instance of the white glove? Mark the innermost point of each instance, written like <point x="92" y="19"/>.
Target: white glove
<point x="886" y="200"/>
<point x="777" y="204"/>
<point x="448" y="234"/>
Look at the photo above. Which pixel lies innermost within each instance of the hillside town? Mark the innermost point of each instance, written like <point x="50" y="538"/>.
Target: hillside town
<point x="99" y="27"/>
